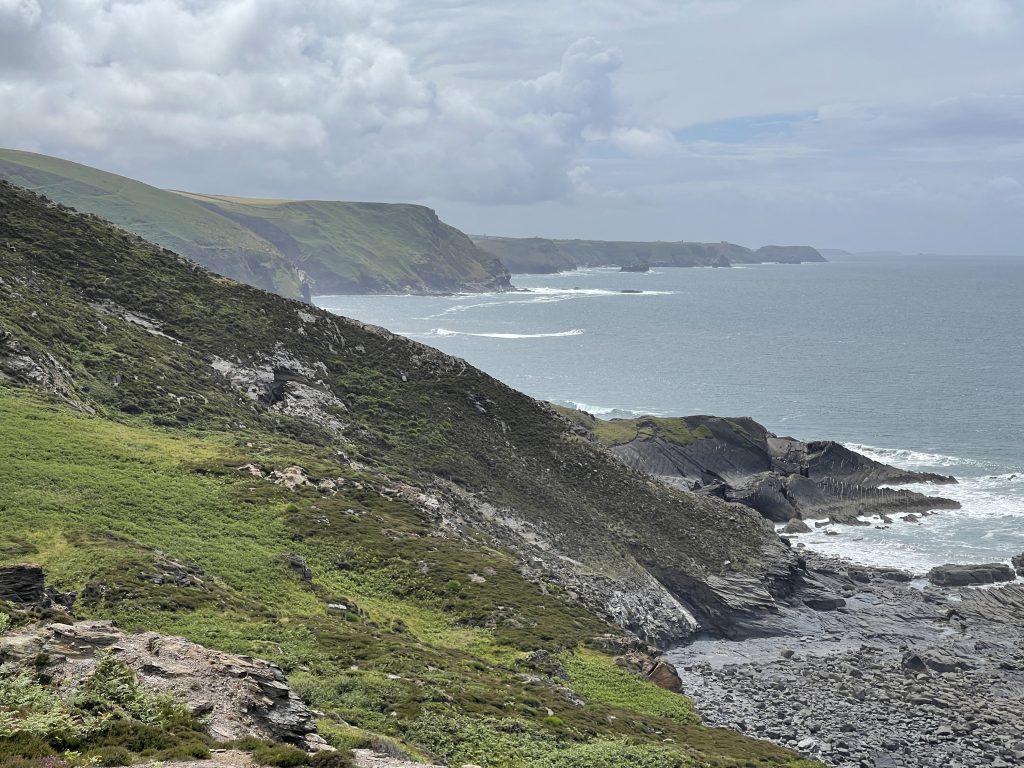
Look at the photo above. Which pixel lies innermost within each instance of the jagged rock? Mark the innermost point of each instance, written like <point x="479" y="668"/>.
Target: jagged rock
<point x="545" y="663"/>
<point x="941" y="661"/>
<point x="22" y="584"/>
<point x="241" y="696"/>
<point x="290" y="477"/>
<point x="796" y="525"/>
<point x="1018" y="563"/>
<point x="298" y="564"/>
<point x="824" y="602"/>
<point x="968" y="575"/>
<point x="739" y="460"/>
<point x="170" y="571"/>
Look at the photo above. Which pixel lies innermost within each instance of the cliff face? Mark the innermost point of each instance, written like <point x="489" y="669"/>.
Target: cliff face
<point x="539" y="255"/>
<point x="287" y="247"/>
<point x="367" y="247"/>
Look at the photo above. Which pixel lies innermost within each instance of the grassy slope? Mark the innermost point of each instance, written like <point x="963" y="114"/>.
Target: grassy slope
<point x="427" y="655"/>
<point x="343" y="247"/>
<point x="680" y="430"/>
<point x="161" y="217"/>
<point x="366" y="246"/>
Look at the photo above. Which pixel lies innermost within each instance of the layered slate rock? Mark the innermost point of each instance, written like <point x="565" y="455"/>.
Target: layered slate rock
<point x="738" y="459"/>
<point x="970" y="575"/>
<point x="22" y="584"/>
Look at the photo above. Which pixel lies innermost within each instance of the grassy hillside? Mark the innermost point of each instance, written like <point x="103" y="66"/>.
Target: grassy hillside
<point x="366" y="247"/>
<point x="143" y="418"/>
<point x="161" y="217"/>
<point x="337" y="247"/>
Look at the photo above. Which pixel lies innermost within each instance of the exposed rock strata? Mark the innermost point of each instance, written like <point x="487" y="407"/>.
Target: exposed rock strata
<point x="970" y="575"/>
<point x="737" y="459"/>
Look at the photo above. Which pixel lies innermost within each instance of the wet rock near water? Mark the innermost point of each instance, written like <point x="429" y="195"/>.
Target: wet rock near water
<point x="970" y="575"/>
<point x="904" y="675"/>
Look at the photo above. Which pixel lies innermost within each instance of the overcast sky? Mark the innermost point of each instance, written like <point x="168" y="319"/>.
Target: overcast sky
<point x="859" y="124"/>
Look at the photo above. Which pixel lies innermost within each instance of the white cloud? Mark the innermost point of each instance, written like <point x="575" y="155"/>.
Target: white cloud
<point x="513" y="117"/>
<point x="316" y="83"/>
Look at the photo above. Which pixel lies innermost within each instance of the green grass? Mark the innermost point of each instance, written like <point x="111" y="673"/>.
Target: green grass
<point x="345" y="247"/>
<point x="158" y="215"/>
<point x="598" y="679"/>
<point x="354" y="247"/>
<point x="94" y="501"/>
<point x="613" y="432"/>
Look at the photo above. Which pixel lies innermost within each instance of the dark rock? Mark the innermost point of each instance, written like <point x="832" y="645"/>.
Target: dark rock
<point x="782" y="478"/>
<point x="22" y="584"/>
<point x="796" y="525"/>
<point x="1018" y="563"/>
<point x="967" y="575"/>
<point x="824" y="603"/>
<point x="298" y="564"/>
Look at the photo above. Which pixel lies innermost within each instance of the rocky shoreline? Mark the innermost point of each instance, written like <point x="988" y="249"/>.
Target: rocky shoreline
<point x="890" y="672"/>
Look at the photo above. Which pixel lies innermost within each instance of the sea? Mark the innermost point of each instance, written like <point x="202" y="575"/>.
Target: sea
<point x="916" y="361"/>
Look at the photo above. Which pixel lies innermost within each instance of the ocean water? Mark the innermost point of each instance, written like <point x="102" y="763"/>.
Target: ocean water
<point x="915" y="361"/>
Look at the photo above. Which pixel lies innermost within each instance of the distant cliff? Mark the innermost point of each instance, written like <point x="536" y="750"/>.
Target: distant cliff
<point x="537" y="255"/>
<point x="289" y="247"/>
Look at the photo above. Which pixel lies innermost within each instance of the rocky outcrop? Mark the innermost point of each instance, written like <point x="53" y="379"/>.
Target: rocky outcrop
<point x="537" y="255"/>
<point x="238" y="695"/>
<point x="970" y="575"/>
<point x="1018" y="563"/>
<point x="738" y="460"/>
<point x="23" y="586"/>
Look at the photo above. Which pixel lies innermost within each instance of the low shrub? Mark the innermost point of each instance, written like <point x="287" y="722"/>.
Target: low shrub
<point x="108" y="756"/>
<point x="339" y="759"/>
<point x="280" y="756"/>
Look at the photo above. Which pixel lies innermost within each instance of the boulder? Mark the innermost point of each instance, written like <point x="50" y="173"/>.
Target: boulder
<point x="24" y="586"/>
<point x="1018" y="563"/>
<point x="796" y="525"/>
<point x="969" y="575"/>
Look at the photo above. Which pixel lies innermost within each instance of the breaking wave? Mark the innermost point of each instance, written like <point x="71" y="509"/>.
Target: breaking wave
<point x="557" y="334"/>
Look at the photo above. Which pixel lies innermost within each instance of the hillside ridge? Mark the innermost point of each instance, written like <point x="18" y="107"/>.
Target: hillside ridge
<point x="294" y="248"/>
<point x="538" y="255"/>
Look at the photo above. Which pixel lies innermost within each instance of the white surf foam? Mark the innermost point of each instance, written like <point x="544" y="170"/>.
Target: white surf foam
<point x="557" y="334"/>
<point x="909" y="459"/>
<point x="608" y="412"/>
<point x="556" y="291"/>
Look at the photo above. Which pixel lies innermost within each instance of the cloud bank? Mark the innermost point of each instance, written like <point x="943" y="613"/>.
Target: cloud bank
<point x="865" y="124"/>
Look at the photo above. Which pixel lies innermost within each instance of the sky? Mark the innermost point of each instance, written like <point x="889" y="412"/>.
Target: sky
<point x="856" y="124"/>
